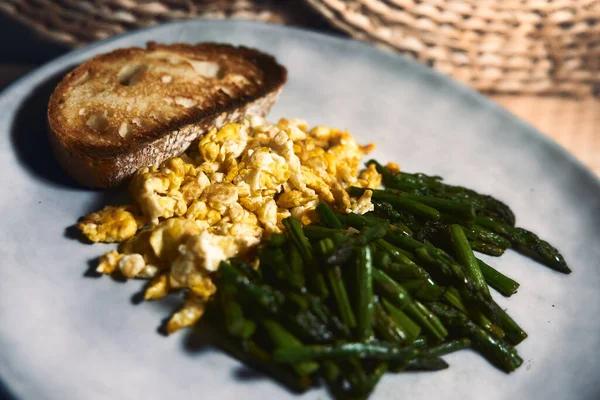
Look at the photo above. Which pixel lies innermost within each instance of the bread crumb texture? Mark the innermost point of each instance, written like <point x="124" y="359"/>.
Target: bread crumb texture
<point x="114" y="91"/>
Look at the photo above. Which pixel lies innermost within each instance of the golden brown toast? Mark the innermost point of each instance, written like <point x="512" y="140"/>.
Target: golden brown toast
<point x="136" y="107"/>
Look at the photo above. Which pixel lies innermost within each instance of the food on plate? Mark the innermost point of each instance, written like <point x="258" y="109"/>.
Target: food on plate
<point x="308" y="266"/>
<point x="234" y="186"/>
<point x="136" y="107"/>
<point x="352" y="296"/>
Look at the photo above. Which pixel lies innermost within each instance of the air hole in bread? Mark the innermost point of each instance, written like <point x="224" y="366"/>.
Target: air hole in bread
<point x="185" y="101"/>
<point x="84" y="77"/>
<point x="208" y="69"/>
<point x="97" y="122"/>
<point x="130" y="74"/>
<point x="124" y="130"/>
<point x="227" y="91"/>
<point x="138" y="122"/>
<point x="165" y="57"/>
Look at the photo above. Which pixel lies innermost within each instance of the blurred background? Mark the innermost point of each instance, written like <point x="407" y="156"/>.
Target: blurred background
<point x="540" y="59"/>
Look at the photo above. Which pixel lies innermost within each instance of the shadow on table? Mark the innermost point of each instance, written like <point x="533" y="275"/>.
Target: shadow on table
<point x="29" y="135"/>
<point x="29" y="138"/>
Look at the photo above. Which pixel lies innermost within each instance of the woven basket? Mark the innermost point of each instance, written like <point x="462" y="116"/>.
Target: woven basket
<point x="78" y="22"/>
<point x="505" y="46"/>
<point x="508" y="46"/>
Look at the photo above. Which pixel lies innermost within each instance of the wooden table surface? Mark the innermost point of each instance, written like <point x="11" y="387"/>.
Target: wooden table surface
<point x="570" y="122"/>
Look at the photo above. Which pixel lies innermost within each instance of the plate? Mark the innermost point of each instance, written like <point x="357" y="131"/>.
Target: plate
<point x="65" y="335"/>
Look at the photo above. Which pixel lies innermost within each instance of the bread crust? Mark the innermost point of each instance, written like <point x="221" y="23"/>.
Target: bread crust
<point x="106" y="166"/>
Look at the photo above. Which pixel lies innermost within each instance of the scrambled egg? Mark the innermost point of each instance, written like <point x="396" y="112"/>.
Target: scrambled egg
<point x="111" y="224"/>
<point x="216" y="201"/>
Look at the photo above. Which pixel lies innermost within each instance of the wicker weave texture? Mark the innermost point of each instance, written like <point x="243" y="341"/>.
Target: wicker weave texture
<point x="508" y="46"/>
<point x="78" y="22"/>
<point x="503" y="46"/>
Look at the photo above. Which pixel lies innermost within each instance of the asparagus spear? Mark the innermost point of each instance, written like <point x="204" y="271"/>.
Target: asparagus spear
<point x="431" y="185"/>
<point x="401" y="227"/>
<point x="284" y="339"/>
<point x="235" y="323"/>
<point x="502" y="283"/>
<point x="254" y="274"/>
<point x="427" y="319"/>
<point x="316" y="279"/>
<point x="374" y="378"/>
<point x="265" y="296"/>
<point x="462" y="211"/>
<point x="331" y="371"/>
<point x="527" y="243"/>
<point x="353" y="383"/>
<point x="397" y="254"/>
<point x="391" y="290"/>
<point x="298" y="300"/>
<point x="486" y="248"/>
<point x="464" y="255"/>
<point x="297" y="278"/>
<point x="372" y="233"/>
<point x="449" y="347"/>
<point x="294" y="230"/>
<point x="514" y="334"/>
<point x="372" y="350"/>
<point x="336" y="283"/>
<point x="359" y="221"/>
<point x="252" y="355"/>
<point x="423" y="289"/>
<point x="344" y="251"/>
<point x="320" y="310"/>
<point x="495" y="350"/>
<point x="423" y="363"/>
<point x="393" y="180"/>
<point x="444" y="269"/>
<point x="334" y="275"/>
<point x="421" y="342"/>
<point x="327" y="216"/>
<point x="403" y="321"/>
<point x="364" y="293"/>
<point x="452" y="296"/>
<point x="274" y="266"/>
<point x="307" y="326"/>
<point x="361" y="384"/>
<point x="484" y="205"/>
<point x="399" y="202"/>
<point x="403" y="272"/>
<point x="398" y="296"/>
<point x="386" y="328"/>
<point x="277" y="240"/>
<point x="271" y="301"/>
<point x="386" y="211"/>
<point x="429" y="359"/>
<point x="479" y="233"/>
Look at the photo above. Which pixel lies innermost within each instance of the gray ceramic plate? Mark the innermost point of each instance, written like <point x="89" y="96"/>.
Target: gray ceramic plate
<point x="67" y="336"/>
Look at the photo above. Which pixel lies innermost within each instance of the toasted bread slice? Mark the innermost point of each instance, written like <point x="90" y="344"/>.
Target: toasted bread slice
<point x="136" y="107"/>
